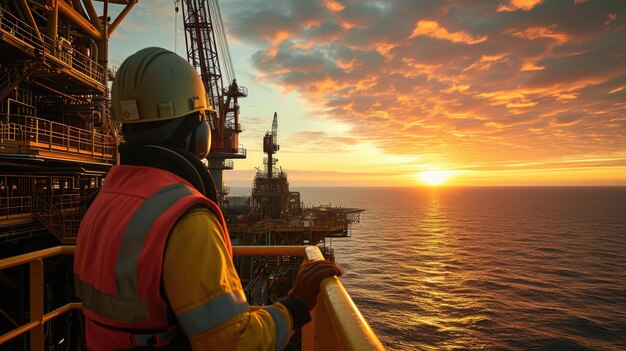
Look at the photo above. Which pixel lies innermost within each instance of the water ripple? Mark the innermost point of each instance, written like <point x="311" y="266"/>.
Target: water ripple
<point x="487" y="268"/>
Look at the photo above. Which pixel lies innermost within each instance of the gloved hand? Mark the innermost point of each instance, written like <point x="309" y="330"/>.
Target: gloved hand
<point x="308" y="279"/>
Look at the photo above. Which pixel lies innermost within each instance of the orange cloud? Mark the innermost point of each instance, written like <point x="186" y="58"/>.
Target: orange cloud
<point x="384" y="48"/>
<point x="515" y="5"/>
<point x="434" y="30"/>
<point x="520" y="104"/>
<point x="334" y="6"/>
<point x="521" y="89"/>
<point x="279" y="37"/>
<point x="455" y="88"/>
<point x="538" y="32"/>
<point x="530" y="66"/>
<point x="485" y="62"/>
<point x="347" y="65"/>
<point x="610" y="18"/>
<point x="565" y="96"/>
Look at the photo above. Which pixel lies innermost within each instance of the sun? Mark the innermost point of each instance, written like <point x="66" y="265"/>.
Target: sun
<point x="434" y="178"/>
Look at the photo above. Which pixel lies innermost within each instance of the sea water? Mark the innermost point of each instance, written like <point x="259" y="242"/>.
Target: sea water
<point x="539" y="268"/>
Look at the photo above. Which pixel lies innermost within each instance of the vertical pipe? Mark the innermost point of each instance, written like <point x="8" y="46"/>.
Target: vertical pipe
<point x="103" y="47"/>
<point x="36" y="304"/>
<point x="53" y="22"/>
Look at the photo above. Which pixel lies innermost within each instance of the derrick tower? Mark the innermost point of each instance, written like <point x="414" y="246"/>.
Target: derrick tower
<point x="208" y="52"/>
<point x="271" y="197"/>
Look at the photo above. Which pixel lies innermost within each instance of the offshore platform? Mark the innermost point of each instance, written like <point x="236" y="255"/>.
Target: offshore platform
<point x="57" y="142"/>
<point x="275" y="215"/>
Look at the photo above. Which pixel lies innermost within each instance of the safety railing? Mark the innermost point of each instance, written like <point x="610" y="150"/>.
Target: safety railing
<point x="18" y="29"/>
<point x="60" y="214"/>
<point x="60" y="50"/>
<point x="239" y="152"/>
<point x="336" y="322"/>
<point x="228" y="164"/>
<point x="36" y="283"/>
<point x="15" y="206"/>
<point x="49" y="135"/>
<point x="231" y="126"/>
<point x="221" y="164"/>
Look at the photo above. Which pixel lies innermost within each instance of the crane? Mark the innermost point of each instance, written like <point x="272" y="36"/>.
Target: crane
<point x="208" y="52"/>
<point x="270" y="145"/>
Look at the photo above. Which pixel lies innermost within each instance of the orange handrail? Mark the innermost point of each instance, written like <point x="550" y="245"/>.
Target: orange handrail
<point x="43" y="134"/>
<point x="336" y="322"/>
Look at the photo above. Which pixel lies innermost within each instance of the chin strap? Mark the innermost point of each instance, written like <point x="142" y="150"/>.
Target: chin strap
<point x="180" y="162"/>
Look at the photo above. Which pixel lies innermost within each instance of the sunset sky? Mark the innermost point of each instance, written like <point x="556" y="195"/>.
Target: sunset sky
<point x="509" y="92"/>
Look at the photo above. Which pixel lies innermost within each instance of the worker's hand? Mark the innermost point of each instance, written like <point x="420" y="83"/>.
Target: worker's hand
<point x="308" y="280"/>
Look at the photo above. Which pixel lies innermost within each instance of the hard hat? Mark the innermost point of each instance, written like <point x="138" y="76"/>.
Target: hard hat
<point x="154" y="85"/>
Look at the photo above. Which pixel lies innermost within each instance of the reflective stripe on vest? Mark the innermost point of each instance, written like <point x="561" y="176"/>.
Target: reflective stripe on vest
<point x="282" y="331"/>
<point x="213" y="313"/>
<point x="126" y="306"/>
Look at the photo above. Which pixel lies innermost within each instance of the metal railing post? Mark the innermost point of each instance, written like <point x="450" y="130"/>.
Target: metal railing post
<point x="36" y="304"/>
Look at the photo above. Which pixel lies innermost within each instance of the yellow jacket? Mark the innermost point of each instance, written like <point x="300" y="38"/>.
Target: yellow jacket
<point x="198" y="275"/>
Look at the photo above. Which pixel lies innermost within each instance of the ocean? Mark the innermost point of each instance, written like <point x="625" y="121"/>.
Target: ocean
<point x="540" y="268"/>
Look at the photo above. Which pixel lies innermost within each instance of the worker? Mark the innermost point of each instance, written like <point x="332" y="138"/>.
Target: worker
<point x="153" y="262"/>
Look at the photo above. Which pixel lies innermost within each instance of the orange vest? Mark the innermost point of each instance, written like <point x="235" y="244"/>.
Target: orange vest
<point x="118" y="261"/>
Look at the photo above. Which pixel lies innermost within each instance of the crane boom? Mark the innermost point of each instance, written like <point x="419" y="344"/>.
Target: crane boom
<point x="202" y="51"/>
<point x="275" y="130"/>
<point x="208" y="52"/>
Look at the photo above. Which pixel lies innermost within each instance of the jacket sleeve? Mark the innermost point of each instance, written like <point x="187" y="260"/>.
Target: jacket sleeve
<point x="205" y="293"/>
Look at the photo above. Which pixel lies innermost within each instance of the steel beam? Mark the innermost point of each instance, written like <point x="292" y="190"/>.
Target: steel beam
<point x="120" y="17"/>
<point x="30" y="18"/>
<point x="67" y="11"/>
<point x="93" y="15"/>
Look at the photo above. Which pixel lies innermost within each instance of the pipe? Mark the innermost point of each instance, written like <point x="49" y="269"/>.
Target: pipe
<point x="94" y="49"/>
<point x="18" y="10"/>
<point x="103" y="45"/>
<point x="52" y="26"/>
<point x="67" y="11"/>
<point x="78" y="7"/>
<point x="120" y="17"/>
<point x="93" y="15"/>
<point x="30" y="19"/>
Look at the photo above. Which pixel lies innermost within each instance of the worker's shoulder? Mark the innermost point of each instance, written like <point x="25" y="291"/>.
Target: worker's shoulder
<point x="197" y="228"/>
<point x="199" y="210"/>
<point x="198" y="214"/>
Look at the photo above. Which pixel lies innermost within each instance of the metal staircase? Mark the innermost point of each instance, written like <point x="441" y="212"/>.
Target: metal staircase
<point x="60" y="214"/>
<point x="13" y="77"/>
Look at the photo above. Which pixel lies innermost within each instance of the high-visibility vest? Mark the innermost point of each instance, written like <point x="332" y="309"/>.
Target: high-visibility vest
<point x="118" y="261"/>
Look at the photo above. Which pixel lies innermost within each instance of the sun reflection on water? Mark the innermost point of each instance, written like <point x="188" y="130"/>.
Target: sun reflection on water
<point x="444" y="307"/>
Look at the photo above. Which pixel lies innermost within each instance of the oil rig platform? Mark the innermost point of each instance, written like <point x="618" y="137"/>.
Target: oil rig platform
<point x="275" y="215"/>
<point x="56" y="138"/>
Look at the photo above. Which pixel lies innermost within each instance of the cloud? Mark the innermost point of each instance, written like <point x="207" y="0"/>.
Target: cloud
<point x="533" y="33"/>
<point x="514" y="5"/>
<point x="434" y="30"/>
<point x="450" y="81"/>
